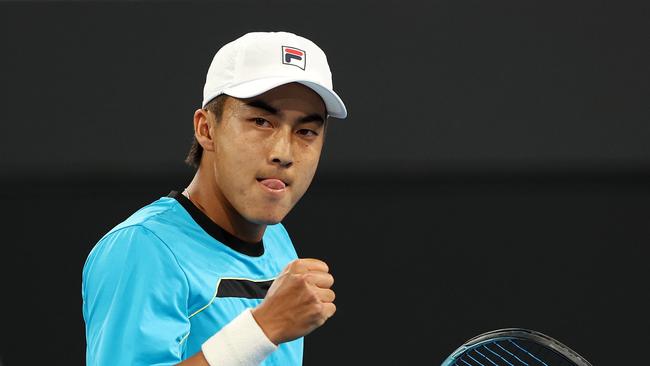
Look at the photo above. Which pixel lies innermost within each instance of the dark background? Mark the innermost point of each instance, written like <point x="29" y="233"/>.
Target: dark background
<point x="494" y="170"/>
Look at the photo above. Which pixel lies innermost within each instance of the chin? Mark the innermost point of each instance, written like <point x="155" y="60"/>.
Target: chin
<point x="268" y="218"/>
<point x="267" y="221"/>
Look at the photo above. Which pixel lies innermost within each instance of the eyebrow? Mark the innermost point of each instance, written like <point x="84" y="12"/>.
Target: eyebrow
<point x="260" y="104"/>
<point x="314" y="117"/>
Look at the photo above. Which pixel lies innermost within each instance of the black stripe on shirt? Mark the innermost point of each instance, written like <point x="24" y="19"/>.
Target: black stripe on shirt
<point x="216" y="231"/>
<point x="248" y="289"/>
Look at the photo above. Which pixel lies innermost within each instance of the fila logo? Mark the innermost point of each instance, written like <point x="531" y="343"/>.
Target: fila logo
<point x="293" y="56"/>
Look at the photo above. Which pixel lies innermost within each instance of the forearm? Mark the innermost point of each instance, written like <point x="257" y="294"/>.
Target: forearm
<point x="197" y="360"/>
<point x="299" y="301"/>
<point x="240" y="343"/>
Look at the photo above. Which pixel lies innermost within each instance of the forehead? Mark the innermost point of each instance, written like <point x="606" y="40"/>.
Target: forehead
<point x="293" y="96"/>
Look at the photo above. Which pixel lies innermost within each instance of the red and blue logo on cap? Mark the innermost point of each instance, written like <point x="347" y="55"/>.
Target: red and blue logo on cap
<point x="293" y="56"/>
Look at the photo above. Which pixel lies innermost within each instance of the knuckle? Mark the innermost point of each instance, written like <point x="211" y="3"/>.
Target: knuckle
<point x="303" y="278"/>
<point x="313" y="298"/>
<point x="292" y="265"/>
<point x="299" y="282"/>
<point x="314" y="312"/>
<point x="318" y="308"/>
<point x="300" y="266"/>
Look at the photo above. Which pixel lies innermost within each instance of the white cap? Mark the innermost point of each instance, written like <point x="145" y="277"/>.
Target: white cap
<point x="257" y="62"/>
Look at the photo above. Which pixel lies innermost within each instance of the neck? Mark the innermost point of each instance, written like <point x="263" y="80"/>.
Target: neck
<point x="207" y="196"/>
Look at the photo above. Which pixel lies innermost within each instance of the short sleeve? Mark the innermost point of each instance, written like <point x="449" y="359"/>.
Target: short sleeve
<point x="134" y="301"/>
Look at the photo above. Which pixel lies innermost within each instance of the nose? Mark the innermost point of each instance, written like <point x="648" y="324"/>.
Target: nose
<point x="280" y="152"/>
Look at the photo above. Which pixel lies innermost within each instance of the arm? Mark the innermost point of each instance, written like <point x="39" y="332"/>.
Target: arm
<point x="241" y="342"/>
<point x="197" y="360"/>
<point x="135" y="301"/>
<point x="299" y="301"/>
<point x="120" y="290"/>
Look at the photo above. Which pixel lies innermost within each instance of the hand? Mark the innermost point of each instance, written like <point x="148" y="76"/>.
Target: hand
<point x="299" y="301"/>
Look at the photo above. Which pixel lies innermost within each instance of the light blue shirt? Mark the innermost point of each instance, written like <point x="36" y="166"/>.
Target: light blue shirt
<point x="150" y="285"/>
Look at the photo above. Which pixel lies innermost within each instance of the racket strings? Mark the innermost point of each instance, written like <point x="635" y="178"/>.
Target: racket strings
<point x="511" y="353"/>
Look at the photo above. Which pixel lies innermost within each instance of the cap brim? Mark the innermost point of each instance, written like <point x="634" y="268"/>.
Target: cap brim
<point x="333" y="102"/>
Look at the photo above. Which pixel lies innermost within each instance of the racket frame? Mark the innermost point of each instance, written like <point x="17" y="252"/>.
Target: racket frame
<point x="517" y="333"/>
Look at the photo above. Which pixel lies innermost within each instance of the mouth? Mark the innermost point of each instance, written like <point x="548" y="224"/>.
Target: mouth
<point x="273" y="184"/>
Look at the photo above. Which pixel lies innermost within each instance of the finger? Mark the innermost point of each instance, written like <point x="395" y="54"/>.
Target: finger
<point x="296" y="266"/>
<point x="329" y="309"/>
<point x="325" y="295"/>
<point x="304" y="265"/>
<point x="319" y="279"/>
<point x="313" y="264"/>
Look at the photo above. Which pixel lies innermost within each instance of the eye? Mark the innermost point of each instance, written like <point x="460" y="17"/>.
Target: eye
<point x="307" y="132"/>
<point x="261" y="122"/>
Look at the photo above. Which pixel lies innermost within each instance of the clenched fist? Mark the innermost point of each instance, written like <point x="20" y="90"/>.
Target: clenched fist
<point x="299" y="301"/>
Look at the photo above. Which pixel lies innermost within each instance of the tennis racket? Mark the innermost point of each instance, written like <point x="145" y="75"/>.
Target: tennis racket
<point x="514" y="347"/>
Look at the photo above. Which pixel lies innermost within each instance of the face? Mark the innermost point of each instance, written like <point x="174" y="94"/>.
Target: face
<point x="266" y="150"/>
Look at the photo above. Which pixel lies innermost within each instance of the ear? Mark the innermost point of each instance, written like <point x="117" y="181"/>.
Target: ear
<point x="202" y="131"/>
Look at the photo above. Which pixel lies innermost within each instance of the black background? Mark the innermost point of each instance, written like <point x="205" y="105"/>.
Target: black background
<point x="493" y="171"/>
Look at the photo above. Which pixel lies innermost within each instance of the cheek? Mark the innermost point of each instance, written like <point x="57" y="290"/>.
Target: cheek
<point x="235" y="162"/>
<point x="312" y="155"/>
<point x="308" y="161"/>
<point x="237" y="147"/>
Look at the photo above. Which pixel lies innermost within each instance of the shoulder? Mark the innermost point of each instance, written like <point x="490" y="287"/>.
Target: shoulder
<point x="138" y="231"/>
<point x="127" y="245"/>
<point x="131" y="257"/>
<point x="155" y="211"/>
<point x="136" y="240"/>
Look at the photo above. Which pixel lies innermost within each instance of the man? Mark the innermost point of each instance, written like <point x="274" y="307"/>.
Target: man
<point x="209" y="276"/>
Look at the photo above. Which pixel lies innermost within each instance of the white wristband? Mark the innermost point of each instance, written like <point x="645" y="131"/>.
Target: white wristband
<point x="240" y="343"/>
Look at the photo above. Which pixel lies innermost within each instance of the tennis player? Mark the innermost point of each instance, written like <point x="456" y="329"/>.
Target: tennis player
<point x="208" y="275"/>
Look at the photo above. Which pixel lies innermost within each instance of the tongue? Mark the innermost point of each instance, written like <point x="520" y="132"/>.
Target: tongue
<point x="273" y="183"/>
